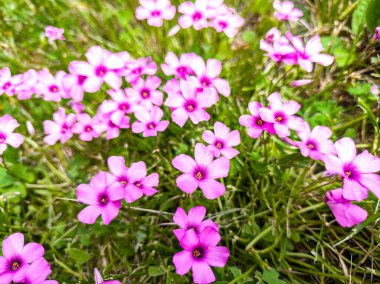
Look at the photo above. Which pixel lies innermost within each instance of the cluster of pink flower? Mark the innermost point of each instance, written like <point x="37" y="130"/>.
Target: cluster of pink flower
<point x="23" y="263"/>
<point x="203" y="170"/>
<point x="358" y="173"/>
<point x="291" y="50"/>
<point x="199" y="14"/>
<point x="106" y="190"/>
<point x="199" y="239"/>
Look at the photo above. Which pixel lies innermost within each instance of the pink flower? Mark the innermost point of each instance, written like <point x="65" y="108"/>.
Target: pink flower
<point x="50" y="87"/>
<point x="16" y="259"/>
<point x="208" y="75"/>
<point x="190" y="103"/>
<point x="7" y="82"/>
<point x="99" y="279"/>
<point x="222" y="141"/>
<point x="102" y="66"/>
<point x="84" y="127"/>
<point x="145" y="93"/>
<point x="102" y="199"/>
<point x="286" y="11"/>
<point x="280" y="50"/>
<point x="256" y="125"/>
<point x="194" y="14"/>
<point x="200" y="252"/>
<point x="194" y="221"/>
<point x="103" y="123"/>
<point x="315" y="143"/>
<point x="181" y="67"/>
<point x="30" y="127"/>
<point x="272" y="35"/>
<point x="54" y="33"/>
<point x="117" y="109"/>
<point x="38" y="272"/>
<point x="376" y="36"/>
<point x="26" y="85"/>
<point x="227" y="23"/>
<point x="302" y="82"/>
<point x="357" y="171"/>
<point x="375" y="90"/>
<point x="60" y="128"/>
<point x="346" y="214"/>
<point x="307" y="55"/>
<point x="133" y="179"/>
<point x="136" y="68"/>
<point x="281" y="114"/>
<point x="149" y="122"/>
<point x="155" y="11"/>
<point x="7" y="126"/>
<point x="201" y="172"/>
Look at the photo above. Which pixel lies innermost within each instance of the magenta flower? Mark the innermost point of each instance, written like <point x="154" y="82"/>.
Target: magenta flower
<point x="38" y="272"/>
<point x="84" y="127"/>
<point x="189" y="103"/>
<point x="149" y="122"/>
<point x="103" y="123"/>
<point x="208" y="75"/>
<point x="194" y="220"/>
<point x="54" y="33"/>
<point x="117" y="109"/>
<point x="26" y="84"/>
<point x="50" y="87"/>
<point x="7" y="82"/>
<point x="16" y="259"/>
<point x="285" y="11"/>
<point x="376" y="36"/>
<point x="315" y="143"/>
<point x="222" y="140"/>
<point x="256" y="125"/>
<point x="307" y="55"/>
<point x="281" y="114"/>
<point x="136" y="68"/>
<point x="227" y="23"/>
<point x="302" y="82"/>
<point x="200" y="252"/>
<point x="102" y="199"/>
<point x="357" y="171"/>
<point x="102" y="66"/>
<point x="179" y="67"/>
<point x="279" y="50"/>
<point x="272" y="35"/>
<point x="132" y="180"/>
<point x="60" y="128"/>
<point x="201" y="172"/>
<point x="99" y="278"/>
<point x="7" y="126"/>
<point x="194" y="14"/>
<point x="155" y="11"/>
<point x="346" y="213"/>
<point x="145" y="93"/>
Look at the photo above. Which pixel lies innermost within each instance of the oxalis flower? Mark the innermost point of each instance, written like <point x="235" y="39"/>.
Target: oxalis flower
<point x="7" y="82"/>
<point x="222" y="140"/>
<point x="192" y="221"/>
<point x="201" y="172"/>
<point x="99" y="279"/>
<point x="145" y="93"/>
<point x="53" y="33"/>
<point x="286" y="11"/>
<point x="38" y="272"/>
<point x="194" y="14"/>
<point x="200" y="252"/>
<point x="16" y="259"/>
<point x="85" y="127"/>
<point x="7" y="126"/>
<point x="179" y="67"/>
<point x="136" y="68"/>
<point x="149" y="122"/>
<point x="59" y="129"/>
<point x="133" y="180"/>
<point x="102" y="199"/>
<point x="155" y="11"/>
<point x="346" y="213"/>
<point x="357" y="171"/>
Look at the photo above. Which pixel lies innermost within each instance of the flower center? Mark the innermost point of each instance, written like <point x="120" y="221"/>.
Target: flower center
<point x="190" y="106"/>
<point x="15" y="265"/>
<point x="311" y="146"/>
<point x="88" y="129"/>
<point x="145" y="94"/>
<point x="199" y="175"/>
<point x="223" y="24"/>
<point x="6" y="85"/>
<point x="104" y="199"/>
<point x="81" y="79"/>
<point x="350" y="172"/>
<point x="205" y="82"/>
<point x="198" y="253"/>
<point x="123" y="182"/>
<point x="259" y="122"/>
<point x="64" y="128"/>
<point x="137" y="184"/>
<point x="197" y="16"/>
<point x="54" y="89"/>
<point x="137" y="71"/>
<point x="101" y="71"/>
<point x="151" y="125"/>
<point x="219" y="145"/>
<point x="155" y="13"/>
<point x="2" y="138"/>
<point x="124" y="106"/>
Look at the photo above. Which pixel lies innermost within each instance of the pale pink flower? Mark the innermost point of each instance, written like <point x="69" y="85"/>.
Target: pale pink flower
<point x="281" y="114"/>
<point x="256" y="125"/>
<point x="99" y="279"/>
<point x="84" y="127"/>
<point x="190" y="103"/>
<point x="136" y="68"/>
<point x="200" y="252"/>
<point x="357" y="171"/>
<point x="376" y="36"/>
<point x="155" y="11"/>
<point x="7" y="82"/>
<point x="307" y="55"/>
<point x="60" y="128"/>
<point x="272" y="35"/>
<point x="50" y="87"/>
<point x="30" y="128"/>
<point x="102" y="199"/>
<point x="103" y="123"/>
<point x="27" y="84"/>
<point x="222" y="140"/>
<point x="193" y="220"/>
<point x="145" y="93"/>
<point x="375" y="90"/>
<point x="302" y="82"/>
<point x="149" y="122"/>
<point x="179" y="67"/>
<point x="346" y="213"/>
<point x="7" y="126"/>
<point x="315" y="143"/>
<point x="285" y="11"/>
<point x="201" y="172"/>
<point x="194" y="14"/>
<point x="38" y="272"/>
<point x="228" y="23"/>
<point x="54" y="33"/>
<point x="279" y="50"/>
<point x="174" y="30"/>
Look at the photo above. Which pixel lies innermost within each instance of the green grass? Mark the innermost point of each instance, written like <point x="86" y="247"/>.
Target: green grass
<point x="272" y="217"/>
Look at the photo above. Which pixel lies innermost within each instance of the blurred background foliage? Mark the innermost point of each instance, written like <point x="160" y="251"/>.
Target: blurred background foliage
<point x="272" y="216"/>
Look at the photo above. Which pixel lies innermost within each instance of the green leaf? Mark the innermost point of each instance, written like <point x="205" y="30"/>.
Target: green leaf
<point x="369" y="112"/>
<point x="373" y="15"/>
<point x="155" y="271"/>
<point x="270" y="276"/>
<point x="358" y="18"/>
<point x="80" y="256"/>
